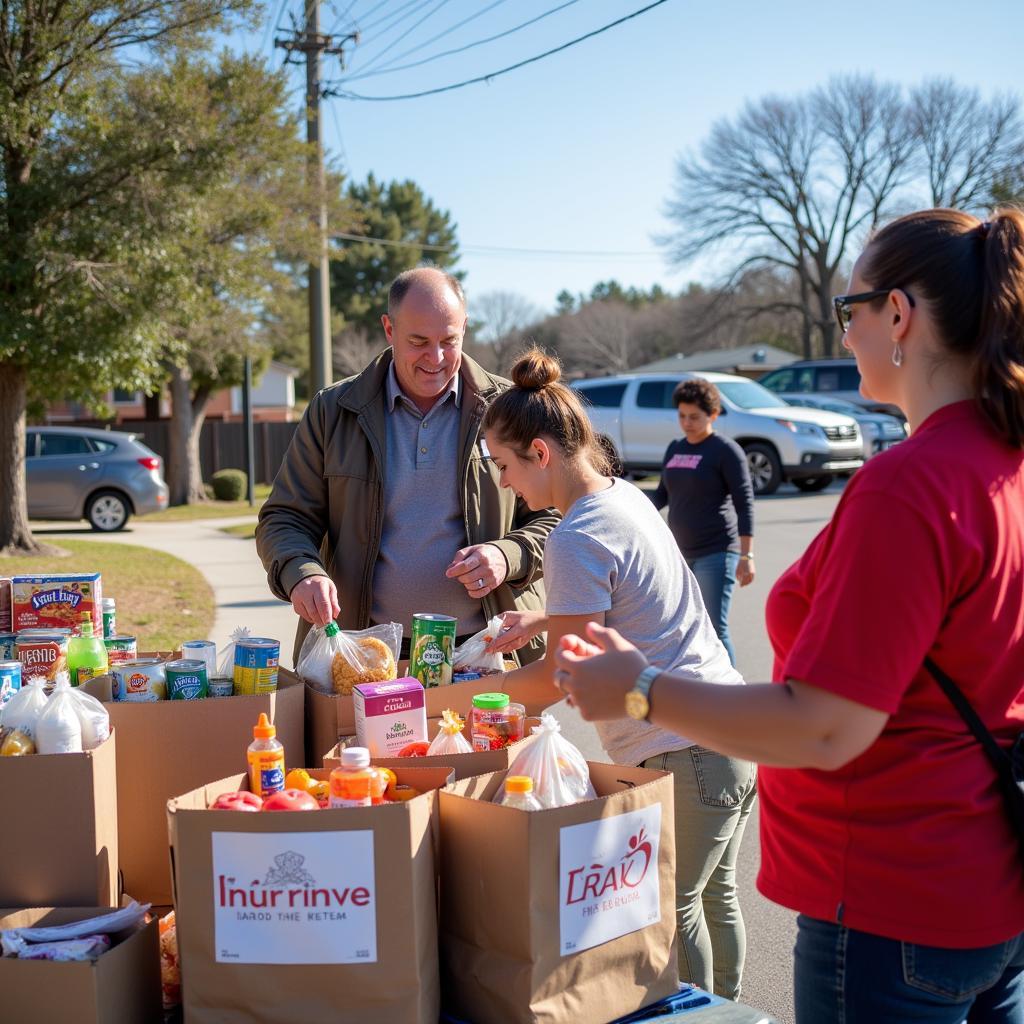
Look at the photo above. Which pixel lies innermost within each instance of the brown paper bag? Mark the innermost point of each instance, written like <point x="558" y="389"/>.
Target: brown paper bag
<point x="560" y="915"/>
<point x="350" y="932"/>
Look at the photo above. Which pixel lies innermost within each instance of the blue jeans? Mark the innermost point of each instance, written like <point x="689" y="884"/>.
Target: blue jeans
<point x="716" y="576"/>
<point x="850" y="977"/>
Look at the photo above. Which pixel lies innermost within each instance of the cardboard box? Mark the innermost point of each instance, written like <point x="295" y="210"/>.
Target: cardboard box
<point x="560" y="914"/>
<point x="60" y="829"/>
<point x="121" y="987"/>
<point x="462" y="766"/>
<point x="329" y="916"/>
<point x="168" y="747"/>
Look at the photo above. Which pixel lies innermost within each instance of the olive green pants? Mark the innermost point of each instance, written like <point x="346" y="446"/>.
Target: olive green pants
<point x="714" y="796"/>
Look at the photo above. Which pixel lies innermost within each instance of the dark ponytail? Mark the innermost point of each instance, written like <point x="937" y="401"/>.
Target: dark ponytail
<point x="971" y="274"/>
<point x="539" y="405"/>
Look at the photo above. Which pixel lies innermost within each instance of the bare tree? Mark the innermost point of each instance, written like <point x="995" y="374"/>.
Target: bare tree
<point x="793" y="184"/>
<point x="501" y="320"/>
<point x="601" y="338"/>
<point x="353" y="348"/>
<point x="967" y="147"/>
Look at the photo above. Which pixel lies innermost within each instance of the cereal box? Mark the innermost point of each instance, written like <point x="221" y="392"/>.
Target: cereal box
<point x="390" y="716"/>
<point x="5" y="605"/>
<point x="57" y="602"/>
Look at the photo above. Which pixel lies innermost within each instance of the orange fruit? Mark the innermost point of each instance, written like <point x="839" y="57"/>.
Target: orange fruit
<point x="390" y="779"/>
<point x="298" y="778"/>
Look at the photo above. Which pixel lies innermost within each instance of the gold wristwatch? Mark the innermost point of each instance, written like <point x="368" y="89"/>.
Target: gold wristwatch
<point x="637" y="704"/>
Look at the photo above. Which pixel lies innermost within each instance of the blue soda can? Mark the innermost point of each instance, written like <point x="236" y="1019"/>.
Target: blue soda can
<point x="10" y="680"/>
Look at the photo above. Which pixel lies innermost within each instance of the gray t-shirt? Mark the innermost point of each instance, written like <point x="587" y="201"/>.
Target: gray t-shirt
<point x="613" y="553"/>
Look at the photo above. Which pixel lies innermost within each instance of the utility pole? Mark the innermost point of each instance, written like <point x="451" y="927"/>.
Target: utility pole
<point x="313" y="44"/>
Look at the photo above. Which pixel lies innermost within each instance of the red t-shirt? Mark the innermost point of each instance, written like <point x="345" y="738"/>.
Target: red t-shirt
<point x="924" y="555"/>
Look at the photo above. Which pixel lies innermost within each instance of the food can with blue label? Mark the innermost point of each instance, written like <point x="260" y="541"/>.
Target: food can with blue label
<point x="256" y="661"/>
<point x="10" y="679"/>
<point x="222" y="688"/>
<point x="186" y="679"/>
<point x="204" y="650"/>
<point x="7" y="651"/>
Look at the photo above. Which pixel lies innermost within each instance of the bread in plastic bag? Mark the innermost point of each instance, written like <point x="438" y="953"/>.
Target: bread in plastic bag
<point x="226" y="655"/>
<point x="58" y="729"/>
<point x="335" y="660"/>
<point x="22" y="711"/>
<point x="559" y="771"/>
<point x="449" y="738"/>
<point x="473" y="656"/>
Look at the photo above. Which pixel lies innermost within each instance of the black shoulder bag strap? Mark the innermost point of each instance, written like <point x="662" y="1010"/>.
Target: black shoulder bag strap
<point x="1009" y="766"/>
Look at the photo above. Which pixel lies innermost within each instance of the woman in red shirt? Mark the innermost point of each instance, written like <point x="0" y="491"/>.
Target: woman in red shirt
<point x="882" y="823"/>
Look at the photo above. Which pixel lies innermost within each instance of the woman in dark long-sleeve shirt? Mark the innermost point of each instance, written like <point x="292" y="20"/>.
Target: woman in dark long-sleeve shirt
<point x="706" y="484"/>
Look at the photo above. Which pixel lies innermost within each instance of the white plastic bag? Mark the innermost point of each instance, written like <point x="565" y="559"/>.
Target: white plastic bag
<point x="335" y="660"/>
<point x="226" y="655"/>
<point x="22" y="711"/>
<point x="58" y="730"/>
<point x="92" y="716"/>
<point x="559" y="771"/>
<point x="449" y="738"/>
<point x="472" y="656"/>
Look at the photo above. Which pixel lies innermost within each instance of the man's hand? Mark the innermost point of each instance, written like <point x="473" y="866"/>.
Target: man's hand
<point x="479" y="568"/>
<point x="518" y="629"/>
<point x="316" y="600"/>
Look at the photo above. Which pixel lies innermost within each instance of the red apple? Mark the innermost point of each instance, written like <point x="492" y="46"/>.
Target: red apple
<point x="291" y="800"/>
<point x="242" y="801"/>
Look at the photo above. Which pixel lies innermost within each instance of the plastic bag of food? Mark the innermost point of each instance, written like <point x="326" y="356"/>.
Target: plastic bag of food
<point x="15" y="743"/>
<point x="226" y="655"/>
<point x="14" y="940"/>
<point x="559" y="771"/>
<point x="69" y="950"/>
<point x="22" y="711"/>
<point x="92" y="716"/>
<point x="449" y="738"/>
<point x="170" y="966"/>
<point x="334" y="660"/>
<point x="472" y="656"/>
<point x="58" y="729"/>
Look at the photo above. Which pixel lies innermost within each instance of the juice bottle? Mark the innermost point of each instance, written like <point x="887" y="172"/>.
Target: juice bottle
<point x="355" y="783"/>
<point x="266" y="759"/>
<point x="87" y="654"/>
<point x="519" y="793"/>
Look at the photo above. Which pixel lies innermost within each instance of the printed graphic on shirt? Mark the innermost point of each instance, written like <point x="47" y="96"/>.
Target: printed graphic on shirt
<point x="684" y="462"/>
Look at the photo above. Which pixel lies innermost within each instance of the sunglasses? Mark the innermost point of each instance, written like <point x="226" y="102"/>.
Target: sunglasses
<point x="843" y="304"/>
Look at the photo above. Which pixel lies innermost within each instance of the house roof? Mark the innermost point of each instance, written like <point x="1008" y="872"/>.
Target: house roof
<point x="284" y="368"/>
<point x="765" y="357"/>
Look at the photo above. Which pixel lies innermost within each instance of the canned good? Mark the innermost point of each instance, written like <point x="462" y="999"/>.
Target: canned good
<point x="141" y="680"/>
<point x="431" y="648"/>
<point x="186" y="679"/>
<point x="221" y="688"/>
<point x="256" y="660"/>
<point x="121" y="648"/>
<point x="7" y="651"/>
<point x="495" y="722"/>
<point x="205" y="651"/>
<point x="42" y="652"/>
<point x="10" y="680"/>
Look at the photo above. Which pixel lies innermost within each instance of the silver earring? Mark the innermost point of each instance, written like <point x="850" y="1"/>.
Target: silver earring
<point x="897" y="355"/>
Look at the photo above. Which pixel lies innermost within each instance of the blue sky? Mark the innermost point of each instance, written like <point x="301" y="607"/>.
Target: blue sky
<point x="577" y="152"/>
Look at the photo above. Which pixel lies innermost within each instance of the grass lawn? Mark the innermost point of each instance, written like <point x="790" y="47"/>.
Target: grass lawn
<point x="210" y="509"/>
<point x="160" y="599"/>
<point x="247" y="531"/>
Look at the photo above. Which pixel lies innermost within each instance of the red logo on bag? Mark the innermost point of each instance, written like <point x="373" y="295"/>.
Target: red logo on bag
<point x="288" y="886"/>
<point x="596" y="881"/>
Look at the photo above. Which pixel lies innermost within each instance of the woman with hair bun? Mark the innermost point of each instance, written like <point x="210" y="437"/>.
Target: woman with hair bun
<point x="612" y="560"/>
<point x="882" y="821"/>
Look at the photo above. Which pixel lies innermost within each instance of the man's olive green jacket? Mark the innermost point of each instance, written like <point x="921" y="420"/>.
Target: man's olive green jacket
<point x="325" y="512"/>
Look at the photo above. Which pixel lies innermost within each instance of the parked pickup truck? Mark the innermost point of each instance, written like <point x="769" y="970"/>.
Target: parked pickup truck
<point x="635" y="413"/>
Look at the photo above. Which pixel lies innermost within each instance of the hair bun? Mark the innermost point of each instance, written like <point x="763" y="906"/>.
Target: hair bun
<point x="535" y="370"/>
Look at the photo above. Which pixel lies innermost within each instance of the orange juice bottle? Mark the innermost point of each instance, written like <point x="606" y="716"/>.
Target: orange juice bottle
<point x="355" y="783"/>
<point x="266" y="759"/>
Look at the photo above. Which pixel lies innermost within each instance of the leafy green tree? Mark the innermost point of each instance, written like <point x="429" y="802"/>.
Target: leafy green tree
<point x="85" y="150"/>
<point x="414" y="231"/>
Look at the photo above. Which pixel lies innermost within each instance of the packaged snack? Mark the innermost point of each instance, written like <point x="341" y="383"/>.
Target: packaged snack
<point x="449" y="738"/>
<point x="335" y="661"/>
<point x="390" y="716"/>
<point x="472" y="656"/>
<point x="15" y="743"/>
<point x="495" y="721"/>
<point x="559" y="771"/>
<point x="170" y="966"/>
<point x="45" y="602"/>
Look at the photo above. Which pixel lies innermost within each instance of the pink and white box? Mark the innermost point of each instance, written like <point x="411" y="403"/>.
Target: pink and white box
<point x="390" y="716"/>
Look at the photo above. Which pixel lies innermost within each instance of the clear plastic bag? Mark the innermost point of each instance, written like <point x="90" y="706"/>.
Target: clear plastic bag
<point x="334" y="661"/>
<point x="226" y="655"/>
<point x="449" y="738"/>
<point x="473" y="656"/>
<point x="58" y="730"/>
<point x="93" y="717"/>
<point x="22" y="711"/>
<point x="559" y="771"/>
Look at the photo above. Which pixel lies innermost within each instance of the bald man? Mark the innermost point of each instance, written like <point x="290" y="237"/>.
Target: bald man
<point x="386" y="503"/>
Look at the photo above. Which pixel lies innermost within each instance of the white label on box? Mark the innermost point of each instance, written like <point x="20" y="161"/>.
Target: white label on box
<point x="608" y="878"/>
<point x="294" y="898"/>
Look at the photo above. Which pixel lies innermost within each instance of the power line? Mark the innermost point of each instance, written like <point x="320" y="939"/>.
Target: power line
<point x="499" y="250"/>
<point x="341" y="17"/>
<point x="433" y="39"/>
<point x="412" y="28"/>
<point x="502" y="71"/>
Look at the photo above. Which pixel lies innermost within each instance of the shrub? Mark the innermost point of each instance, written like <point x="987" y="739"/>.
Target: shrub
<point x="229" y="485"/>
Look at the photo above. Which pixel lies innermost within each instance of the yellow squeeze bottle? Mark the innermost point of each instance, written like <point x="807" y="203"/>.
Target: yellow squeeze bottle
<point x="266" y="759"/>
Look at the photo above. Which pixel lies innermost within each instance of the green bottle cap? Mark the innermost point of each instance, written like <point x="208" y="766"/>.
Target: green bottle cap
<point x="491" y="701"/>
<point x="331" y="629"/>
